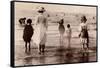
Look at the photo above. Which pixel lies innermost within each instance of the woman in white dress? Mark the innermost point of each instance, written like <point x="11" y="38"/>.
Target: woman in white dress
<point x="39" y="37"/>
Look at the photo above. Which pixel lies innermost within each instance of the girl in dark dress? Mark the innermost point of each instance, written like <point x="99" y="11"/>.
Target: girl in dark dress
<point x="27" y="34"/>
<point x="61" y="30"/>
<point x="84" y="36"/>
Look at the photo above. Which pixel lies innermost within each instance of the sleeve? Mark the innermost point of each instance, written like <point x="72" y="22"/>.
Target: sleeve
<point x="46" y="22"/>
<point x="32" y="31"/>
<point x="24" y="32"/>
<point x="36" y="20"/>
<point x="24" y="29"/>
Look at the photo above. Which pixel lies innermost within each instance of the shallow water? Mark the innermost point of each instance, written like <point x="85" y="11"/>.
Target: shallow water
<point x="54" y="56"/>
<point x="54" y="52"/>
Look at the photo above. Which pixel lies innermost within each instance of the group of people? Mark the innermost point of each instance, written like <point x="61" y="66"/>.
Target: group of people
<point x="62" y="31"/>
<point x="40" y="29"/>
<point x="83" y="35"/>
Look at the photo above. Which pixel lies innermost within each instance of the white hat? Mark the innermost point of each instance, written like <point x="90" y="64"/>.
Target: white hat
<point x="41" y="9"/>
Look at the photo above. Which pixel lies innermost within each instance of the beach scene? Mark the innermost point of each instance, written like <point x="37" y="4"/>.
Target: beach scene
<point x="55" y="53"/>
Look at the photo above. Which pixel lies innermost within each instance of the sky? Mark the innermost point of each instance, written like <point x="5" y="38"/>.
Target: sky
<point x="56" y="8"/>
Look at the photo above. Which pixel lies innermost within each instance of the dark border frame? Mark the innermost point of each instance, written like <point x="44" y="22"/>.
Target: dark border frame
<point x="12" y="55"/>
<point x="12" y="35"/>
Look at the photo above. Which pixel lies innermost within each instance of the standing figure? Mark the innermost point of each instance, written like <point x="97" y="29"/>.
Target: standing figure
<point x="41" y="25"/>
<point x="61" y="30"/>
<point x="27" y="34"/>
<point x="84" y="37"/>
<point x="68" y="32"/>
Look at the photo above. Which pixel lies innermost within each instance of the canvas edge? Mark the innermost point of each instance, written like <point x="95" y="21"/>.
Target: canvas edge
<point x="12" y="64"/>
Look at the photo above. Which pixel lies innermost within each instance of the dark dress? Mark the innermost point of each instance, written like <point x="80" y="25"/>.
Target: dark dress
<point x="61" y="27"/>
<point x="28" y="32"/>
<point x="84" y="34"/>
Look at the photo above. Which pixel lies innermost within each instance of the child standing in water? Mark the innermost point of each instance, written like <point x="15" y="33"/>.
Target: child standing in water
<point x="84" y="36"/>
<point x="68" y="32"/>
<point x="27" y="34"/>
<point x="61" y="30"/>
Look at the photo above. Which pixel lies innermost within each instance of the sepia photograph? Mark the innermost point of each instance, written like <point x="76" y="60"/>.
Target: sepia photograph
<point x="53" y="33"/>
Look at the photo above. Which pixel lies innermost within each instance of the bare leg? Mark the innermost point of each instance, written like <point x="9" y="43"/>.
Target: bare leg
<point x="87" y="40"/>
<point x="69" y="43"/>
<point x="43" y="47"/>
<point x="25" y="46"/>
<point x="29" y="47"/>
<point x="60" y="40"/>
<point x="83" y="46"/>
<point x="87" y="43"/>
<point x="39" y="48"/>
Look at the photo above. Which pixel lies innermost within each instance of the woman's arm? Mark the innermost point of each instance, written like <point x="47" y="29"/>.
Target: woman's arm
<point x="46" y="22"/>
<point x="36" y="20"/>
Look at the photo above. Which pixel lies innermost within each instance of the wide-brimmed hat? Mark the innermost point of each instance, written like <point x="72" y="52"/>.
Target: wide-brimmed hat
<point x="83" y="18"/>
<point x="41" y="10"/>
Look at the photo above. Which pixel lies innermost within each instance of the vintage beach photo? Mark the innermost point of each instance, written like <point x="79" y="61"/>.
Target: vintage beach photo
<point x="47" y="33"/>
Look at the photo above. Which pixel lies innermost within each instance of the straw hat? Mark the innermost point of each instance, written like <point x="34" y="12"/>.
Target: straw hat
<point x="41" y="10"/>
<point x="83" y="18"/>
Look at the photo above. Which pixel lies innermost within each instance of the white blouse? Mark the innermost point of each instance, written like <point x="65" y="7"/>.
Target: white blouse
<point x="83" y="25"/>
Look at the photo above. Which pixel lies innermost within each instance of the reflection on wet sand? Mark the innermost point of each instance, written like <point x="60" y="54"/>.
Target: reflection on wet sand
<point x="28" y="60"/>
<point x="69" y="56"/>
<point x="59" y="56"/>
<point x="84" y="57"/>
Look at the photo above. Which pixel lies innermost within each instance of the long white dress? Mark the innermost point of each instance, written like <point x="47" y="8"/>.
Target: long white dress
<point x="40" y="29"/>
